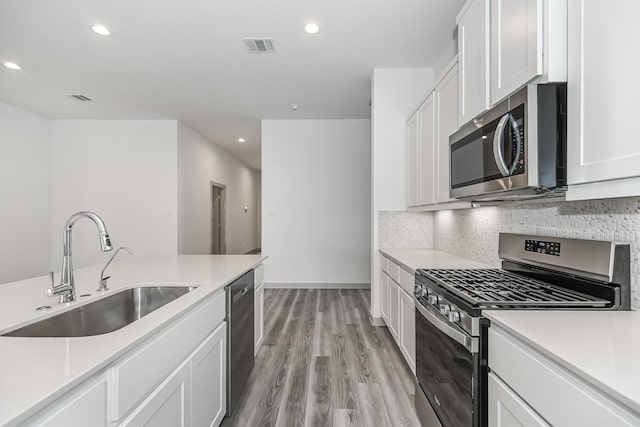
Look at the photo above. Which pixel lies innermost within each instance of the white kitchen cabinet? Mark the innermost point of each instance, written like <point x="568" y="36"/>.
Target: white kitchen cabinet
<point x="506" y="409"/>
<point x="516" y="51"/>
<point x="407" y="330"/>
<point x="528" y="40"/>
<point x="168" y="405"/>
<point x="258" y="319"/>
<point x="446" y="102"/>
<point x="603" y="151"/>
<point x="209" y="380"/>
<point x="394" y="309"/>
<point x="473" y="63"/>
<point x="384" y="297"/>
<point x="412" y="160"/>
<point x="426" y="152"/>
<point x="531" y="376"/>
<point x="86" y="405"/>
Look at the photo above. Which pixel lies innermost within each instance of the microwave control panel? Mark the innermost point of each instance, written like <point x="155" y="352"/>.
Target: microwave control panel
<point x="542" y="247"/>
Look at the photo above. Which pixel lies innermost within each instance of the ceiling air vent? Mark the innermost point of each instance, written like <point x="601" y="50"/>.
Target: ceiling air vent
<point x="260" y="45"/>
<point x="80" y="97"/>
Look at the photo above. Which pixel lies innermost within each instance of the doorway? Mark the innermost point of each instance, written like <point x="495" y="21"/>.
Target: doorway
<point x="218" y="218"/>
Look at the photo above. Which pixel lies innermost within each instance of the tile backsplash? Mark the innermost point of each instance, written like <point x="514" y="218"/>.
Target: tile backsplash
<point x="405" y="230"/>
<point x="473" y="233"/>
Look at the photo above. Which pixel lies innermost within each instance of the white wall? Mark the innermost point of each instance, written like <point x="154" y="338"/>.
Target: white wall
<point x="199" y="162"/>
<point x="124" y="170"/>
<point x="25" y="192"/>
<point x="316" y="201"/>
<point x="394" y="92"/>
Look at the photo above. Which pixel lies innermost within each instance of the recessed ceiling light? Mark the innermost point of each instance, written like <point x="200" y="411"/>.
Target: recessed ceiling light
<point x="240" y="139"/>
<point x="100" y="29"/>
<point x="295" y="107"/>
<point x="12" y="65"/>
<point x="311" y="28"/>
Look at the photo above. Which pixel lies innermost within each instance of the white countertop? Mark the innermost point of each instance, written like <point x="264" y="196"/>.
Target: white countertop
<point x="415" y="259"/>
<point x="601" y="347"/>
<point x="35" y="371"/>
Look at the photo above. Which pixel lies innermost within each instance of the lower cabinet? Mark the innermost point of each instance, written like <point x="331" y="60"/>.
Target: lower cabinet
<point x="258" y="319"/>
<point x="394" y="310"/>
<point x="209" y="380"/>
<point x="168" y="405"/>
<point x="398" y="308"/>
<point x="506" y="409"/>
<point x="86" y="405"/>
<point x="407" y="333"/>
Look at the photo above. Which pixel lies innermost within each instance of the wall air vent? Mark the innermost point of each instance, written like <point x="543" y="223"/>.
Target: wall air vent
<point x="260" y="45"/>
<point x="80" y="97"/>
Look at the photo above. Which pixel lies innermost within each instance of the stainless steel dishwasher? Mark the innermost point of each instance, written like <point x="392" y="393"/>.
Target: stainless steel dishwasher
<point x="240" y="357"/>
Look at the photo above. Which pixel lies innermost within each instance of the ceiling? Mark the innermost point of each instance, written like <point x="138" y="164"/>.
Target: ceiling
<point x="185" y="60"/>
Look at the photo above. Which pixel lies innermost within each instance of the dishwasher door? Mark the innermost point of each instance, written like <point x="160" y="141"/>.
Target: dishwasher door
<point x="240" y="357"/>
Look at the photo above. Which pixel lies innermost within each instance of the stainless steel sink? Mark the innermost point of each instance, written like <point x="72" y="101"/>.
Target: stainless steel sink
<point x="105" y="315"/>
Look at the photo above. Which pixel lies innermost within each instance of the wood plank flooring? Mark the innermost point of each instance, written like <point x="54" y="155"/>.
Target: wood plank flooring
<point x="323" y="364"/>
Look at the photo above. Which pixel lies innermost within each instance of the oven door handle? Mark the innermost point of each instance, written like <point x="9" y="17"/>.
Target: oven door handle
<point x="498" y="151"/>
<point x="470" y="343"/>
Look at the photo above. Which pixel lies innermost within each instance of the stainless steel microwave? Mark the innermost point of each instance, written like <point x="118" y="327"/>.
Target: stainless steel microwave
<point x="515" y="151"/>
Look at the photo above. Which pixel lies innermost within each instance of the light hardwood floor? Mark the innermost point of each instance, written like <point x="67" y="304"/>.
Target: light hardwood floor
<point x="323" y="364"/>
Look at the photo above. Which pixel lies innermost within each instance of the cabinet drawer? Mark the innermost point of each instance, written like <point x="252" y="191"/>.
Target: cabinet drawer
<point x="132" y="378"/>
<point x="407" y="281"/>
<point x="384" y="264"/>
<point x="394" y="272"/>
<point x="507" y="409"/>
<point x="540" y="382"/>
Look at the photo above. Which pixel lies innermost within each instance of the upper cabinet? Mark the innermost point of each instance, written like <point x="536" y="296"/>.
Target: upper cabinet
<point x="426" y="166"/>
<point x="473" y="49"/>
<point x="446" y="103"/>
<point x="527" y="42"/>
<point x="412" y="160"/>
<point x="603" y="152"/>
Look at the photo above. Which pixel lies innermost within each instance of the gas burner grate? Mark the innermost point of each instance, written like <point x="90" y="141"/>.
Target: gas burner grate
<point x="493" y="287"/>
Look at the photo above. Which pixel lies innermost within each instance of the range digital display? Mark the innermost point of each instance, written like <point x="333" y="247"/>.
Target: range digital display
<point x="542" y="247"/>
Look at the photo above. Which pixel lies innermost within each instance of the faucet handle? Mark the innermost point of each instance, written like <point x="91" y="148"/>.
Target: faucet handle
<point x="50" y="291"/>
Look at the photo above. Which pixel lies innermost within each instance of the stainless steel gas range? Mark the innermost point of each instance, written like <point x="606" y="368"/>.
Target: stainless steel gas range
<point x="537" y="273"/>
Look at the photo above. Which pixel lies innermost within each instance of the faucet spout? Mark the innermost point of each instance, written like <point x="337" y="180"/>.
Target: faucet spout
<point x="66" y="290"/>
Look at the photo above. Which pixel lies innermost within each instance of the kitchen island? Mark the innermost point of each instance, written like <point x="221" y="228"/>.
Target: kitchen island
<point x="34" y="372"/>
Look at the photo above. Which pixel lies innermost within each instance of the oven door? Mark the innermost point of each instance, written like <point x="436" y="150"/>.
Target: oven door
<point x="447" y="367"/>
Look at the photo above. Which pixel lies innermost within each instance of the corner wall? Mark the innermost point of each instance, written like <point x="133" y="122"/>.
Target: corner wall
<point x="199" y="162"/>
<point x="25" y="191"/>
<point x="316" y="199"/>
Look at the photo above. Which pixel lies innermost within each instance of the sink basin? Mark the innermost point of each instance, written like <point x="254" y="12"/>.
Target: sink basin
<point x="104" y="315"/>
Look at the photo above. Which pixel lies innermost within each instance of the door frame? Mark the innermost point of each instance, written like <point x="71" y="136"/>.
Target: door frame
<point x="223" y="216"/>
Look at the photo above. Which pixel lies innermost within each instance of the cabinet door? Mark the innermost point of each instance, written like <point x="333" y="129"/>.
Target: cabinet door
<point x="412" y="161"/>
<point x="84" y="406"/>
<point x="473" y="50"/>
<point x="209" y="380"/>
<point x="408" y="330"/>
<point x="426" y="187"/>
<point x="168" y="405"/>
<point x="446" y="94"/>
<point x="602" y="96"/>
<point x="506" y="409"/>
<point x="516" y="45"/>
<point x="394" y="309"/>
<point x="384" y="297"/>
<point x="258" y="319"/>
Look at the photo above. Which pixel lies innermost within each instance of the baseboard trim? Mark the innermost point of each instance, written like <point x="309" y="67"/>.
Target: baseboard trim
<point x="377" y="321"/>
<point x="317" y="285"/>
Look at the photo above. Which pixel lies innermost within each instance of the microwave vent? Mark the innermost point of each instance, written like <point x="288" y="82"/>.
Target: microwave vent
<point x="259" y="45"/>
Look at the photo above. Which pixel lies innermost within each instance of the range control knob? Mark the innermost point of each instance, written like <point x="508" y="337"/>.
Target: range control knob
<point x="454" y="316"/>
<point x="419" y="291"/>
<point x="433" y="299"/>
<point x="444" y="309"/>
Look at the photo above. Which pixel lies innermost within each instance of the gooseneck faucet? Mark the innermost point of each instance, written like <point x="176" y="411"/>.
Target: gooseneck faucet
<point x="66" y="290"/>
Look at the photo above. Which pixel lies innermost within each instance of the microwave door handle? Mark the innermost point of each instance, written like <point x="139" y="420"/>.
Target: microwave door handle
<point x="516" y="130"/>
<point x="498" y="151"/>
